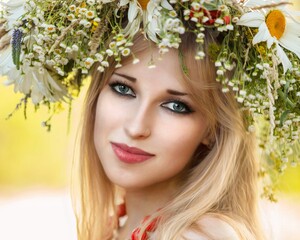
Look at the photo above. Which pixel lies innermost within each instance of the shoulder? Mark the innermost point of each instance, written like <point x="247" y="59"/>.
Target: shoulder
<point x="211" y="228"/>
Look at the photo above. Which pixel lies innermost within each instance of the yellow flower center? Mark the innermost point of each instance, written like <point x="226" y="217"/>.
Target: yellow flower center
<point x="143" y="4"/>
<point x="276" y="23"/>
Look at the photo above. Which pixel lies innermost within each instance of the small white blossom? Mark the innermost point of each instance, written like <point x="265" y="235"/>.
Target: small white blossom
<point x="220" y="72"/>
<point x="251" y="128"/>
<point x="135" y="61"/>
<point x="240" y="99"/>
<point x="223" y="7"/>
<point x="282" y="82"/>
<point x="200" y="35"/>
<point x="37" y="48"/>
<point x="112" y="44"/>
<point x="218" y="64"/>
<point x="201" y="54"/>
<point x="91" y="2"/>
<point x="88" y="62"/>
<point x="243" y="93"/>
<point x="72" y="8"/>
<point x="229" y="27"/>
<point x="75" y="47"/>
<point x="50" y="62"/>
<point x="194" y="19"/>
<point x="84" y="71"/>
<point x="100" y="69"/>
<point x="82" y="10"/>
<point x="196" y="6"/>
<point x="125" y="52"/>
<point x="71" y="17"/>
<point x="205" y="19"/>
<point x="225" y="90"/>
<point x="104" y="63"/>
<point x="68" y="50"/>
<point x="109" y="52"/>
<point x="235" y="19"/>
<point x="62" y="45"/>
<point x="90" y="14"/>
<point x="187" y="12"/>
<point x="99" y="57"/>
<point x="259" y="66"/>
<point x="50" y="28"/>
<point x="172" y="13"/>
<point x="219" y="21"/>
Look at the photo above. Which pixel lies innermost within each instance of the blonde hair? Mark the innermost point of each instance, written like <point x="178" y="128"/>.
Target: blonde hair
<point x="221" y="180"/>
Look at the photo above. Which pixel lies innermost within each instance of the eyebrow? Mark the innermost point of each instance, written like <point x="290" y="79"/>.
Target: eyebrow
<point x="174" y="92"/>
<point x="132" y="79"/>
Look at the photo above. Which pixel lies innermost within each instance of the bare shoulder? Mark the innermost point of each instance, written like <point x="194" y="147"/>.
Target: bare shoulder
<point x="211" y="228"/>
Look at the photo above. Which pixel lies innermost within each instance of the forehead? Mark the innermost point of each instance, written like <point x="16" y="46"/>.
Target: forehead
<point x="167" y="68"/>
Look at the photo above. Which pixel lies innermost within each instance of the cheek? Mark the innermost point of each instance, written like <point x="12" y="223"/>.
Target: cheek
<point x="180" y="141"/>
<point x="107" y="114"/>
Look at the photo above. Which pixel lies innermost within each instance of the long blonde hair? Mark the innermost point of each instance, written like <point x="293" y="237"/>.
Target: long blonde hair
<point x="221" y="180"/>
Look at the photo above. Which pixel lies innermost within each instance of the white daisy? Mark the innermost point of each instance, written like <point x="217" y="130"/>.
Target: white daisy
<point x="6" y="61"/>
<point x="15" y="9"/>
<point x="36" y="81"/>
<point x="275" y="26"/>
<point x="134" y="16"/>
<point x="152" y="20"/>
<point x="134" y="8"/>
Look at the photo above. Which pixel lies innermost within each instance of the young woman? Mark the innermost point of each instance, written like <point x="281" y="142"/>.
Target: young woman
<point x="170" y="146"/>
<point x="167" y="152"/>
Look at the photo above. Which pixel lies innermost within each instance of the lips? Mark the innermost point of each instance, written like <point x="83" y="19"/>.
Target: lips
<point x="130" y="154"/>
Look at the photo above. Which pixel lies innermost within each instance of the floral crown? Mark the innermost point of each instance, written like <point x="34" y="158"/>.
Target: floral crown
<point x="48" y="46"/>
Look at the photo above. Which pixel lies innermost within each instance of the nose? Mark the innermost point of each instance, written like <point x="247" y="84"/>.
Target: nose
<point x="138" y="124"/>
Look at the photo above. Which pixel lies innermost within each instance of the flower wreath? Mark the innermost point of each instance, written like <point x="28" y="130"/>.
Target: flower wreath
<point x="48" y="46"/>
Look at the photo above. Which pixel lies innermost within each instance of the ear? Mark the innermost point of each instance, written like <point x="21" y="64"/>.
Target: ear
<point x="205" y="141"/>
<point x="207" y="138"/>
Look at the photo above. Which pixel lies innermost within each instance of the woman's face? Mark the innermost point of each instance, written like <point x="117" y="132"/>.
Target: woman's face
<point x="147" y="127"/>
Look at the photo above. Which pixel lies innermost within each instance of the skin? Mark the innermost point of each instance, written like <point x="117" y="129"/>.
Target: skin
<point x="144" y="114"/>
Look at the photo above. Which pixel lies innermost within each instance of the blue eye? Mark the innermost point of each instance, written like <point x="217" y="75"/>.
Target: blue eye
<point x="122" y="89"/>
<point x="178" y="107"/>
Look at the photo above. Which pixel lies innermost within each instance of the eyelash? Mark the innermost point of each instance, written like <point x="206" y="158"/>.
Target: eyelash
<point x="188" y="108"/>
<point x="115" y="83"/>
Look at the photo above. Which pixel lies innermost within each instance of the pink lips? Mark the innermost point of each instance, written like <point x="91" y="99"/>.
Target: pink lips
<point x="130" y="154"/>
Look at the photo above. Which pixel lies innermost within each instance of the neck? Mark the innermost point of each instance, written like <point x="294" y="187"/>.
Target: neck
<point x="144" y="202"/>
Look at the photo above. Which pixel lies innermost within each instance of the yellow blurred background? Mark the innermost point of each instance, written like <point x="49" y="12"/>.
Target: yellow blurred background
<point x="35" y="172"/>
<point x="29" y="154"/>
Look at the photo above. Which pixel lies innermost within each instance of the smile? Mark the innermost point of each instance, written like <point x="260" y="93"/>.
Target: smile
<point x="130" y="154"/>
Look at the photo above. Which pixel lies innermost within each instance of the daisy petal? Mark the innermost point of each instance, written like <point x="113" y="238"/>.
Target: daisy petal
<point x="251" y="19"/>
<point x="254" y="3"/>
<point x="286" y="63"/>
<point x="165" y="4"/>
<point x="123" y="2"/>
<point x="262" y="35"/>
<point x="133" y="10"/>
<point x="132" y="28"/>
<point x="257" y="3"/>
<point x="15" y="10"/>
<point x="6" y="61"/>
<point x="291" y="38"/>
